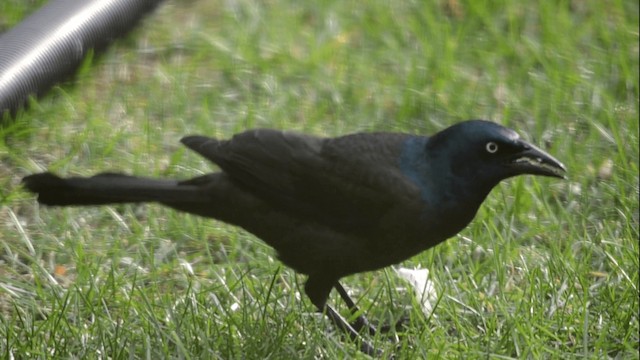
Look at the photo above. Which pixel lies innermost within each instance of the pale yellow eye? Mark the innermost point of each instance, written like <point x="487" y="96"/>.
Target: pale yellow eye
<point x="492" y="147"/>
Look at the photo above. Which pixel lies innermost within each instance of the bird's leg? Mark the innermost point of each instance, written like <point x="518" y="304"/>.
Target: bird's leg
<point x="318" y="289"/>
<point x="342" y="324"/>
<point x="361" y="321"/>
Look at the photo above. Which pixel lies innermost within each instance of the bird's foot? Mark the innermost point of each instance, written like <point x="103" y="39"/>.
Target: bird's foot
<point x="351" y="332"/>
<point x="362" y="325"/>
<point x="399" y="326"/>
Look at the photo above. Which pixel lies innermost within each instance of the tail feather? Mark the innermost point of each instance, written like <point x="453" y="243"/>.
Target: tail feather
<point x="108" y="188"/>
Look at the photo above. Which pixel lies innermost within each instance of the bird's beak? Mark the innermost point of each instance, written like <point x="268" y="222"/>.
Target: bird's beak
<point x="535" y="161"/>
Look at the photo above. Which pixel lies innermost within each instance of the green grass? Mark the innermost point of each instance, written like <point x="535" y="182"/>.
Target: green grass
<point x="548" y="268"/>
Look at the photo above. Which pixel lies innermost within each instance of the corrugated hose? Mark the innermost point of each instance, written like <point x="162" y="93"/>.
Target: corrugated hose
<point x="49" y="46"/>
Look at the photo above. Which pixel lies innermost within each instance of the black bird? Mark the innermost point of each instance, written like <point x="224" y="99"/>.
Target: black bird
<point x="331" y="207"/>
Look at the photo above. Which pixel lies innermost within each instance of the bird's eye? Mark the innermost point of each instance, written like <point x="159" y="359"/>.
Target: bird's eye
<point x="491" y="147"/>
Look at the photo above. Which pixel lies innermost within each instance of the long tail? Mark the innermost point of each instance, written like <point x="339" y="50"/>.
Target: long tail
<point x="109" y="188"/>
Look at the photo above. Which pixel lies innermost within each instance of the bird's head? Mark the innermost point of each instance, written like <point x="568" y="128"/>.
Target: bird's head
<point x="485" y="153"/>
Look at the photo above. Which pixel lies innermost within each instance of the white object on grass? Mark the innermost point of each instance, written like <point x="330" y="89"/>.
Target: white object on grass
<point x="424" y="288"/>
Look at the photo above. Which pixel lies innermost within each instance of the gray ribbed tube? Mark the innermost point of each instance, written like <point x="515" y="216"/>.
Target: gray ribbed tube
<point x="49" y="45"/>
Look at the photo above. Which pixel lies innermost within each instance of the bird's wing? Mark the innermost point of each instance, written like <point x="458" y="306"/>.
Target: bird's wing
<point x="348" y="181"/>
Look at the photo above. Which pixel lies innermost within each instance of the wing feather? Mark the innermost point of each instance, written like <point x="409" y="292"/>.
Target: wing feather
<point x="349" y="182"/>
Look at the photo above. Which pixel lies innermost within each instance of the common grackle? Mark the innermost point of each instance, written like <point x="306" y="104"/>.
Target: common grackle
<point x="331" y="207"/>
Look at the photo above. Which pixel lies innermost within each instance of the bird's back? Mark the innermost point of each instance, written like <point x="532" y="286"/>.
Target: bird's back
<point x="343" y="203"/>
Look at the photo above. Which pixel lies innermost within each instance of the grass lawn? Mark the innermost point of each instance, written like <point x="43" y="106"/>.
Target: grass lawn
<point x="548" y="268"/>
